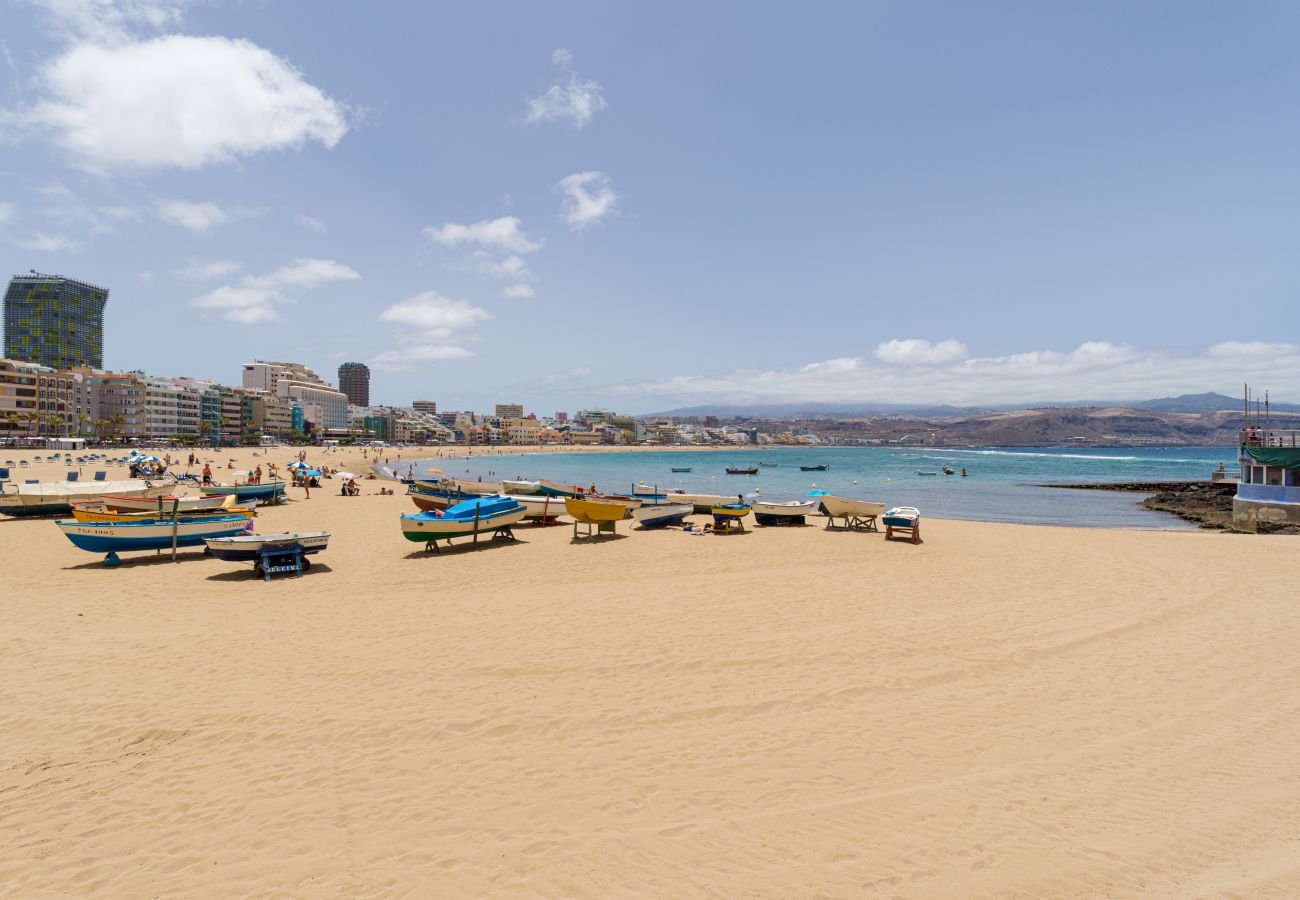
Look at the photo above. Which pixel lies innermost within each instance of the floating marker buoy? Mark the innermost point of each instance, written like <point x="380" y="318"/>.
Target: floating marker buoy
<point x="855" y="481"/>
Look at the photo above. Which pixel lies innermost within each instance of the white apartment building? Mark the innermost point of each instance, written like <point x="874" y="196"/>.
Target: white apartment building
<point x="297" y="383"/>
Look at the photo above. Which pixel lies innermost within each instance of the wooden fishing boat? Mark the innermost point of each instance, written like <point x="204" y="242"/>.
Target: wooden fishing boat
<point x="520" y="487"/>
<point x="679" y="469"/>
<point x="703" y="502"/>
<point x="729" y="517"/>
<point x="122" y="537"/>
<point x="857" y="514"/>
<point x="432" y="498"/>
<point x="733" y="470"/>
<point x="658" y="515"/>
<point x="540" y="506"/>
<point x="791" y="512"/>
<point x="904" y="519"/>
<point x="769" y="465"/>
<point x="818" y="468"/>
<point x="97" y="512"/>
<point x="593" y="511"/>
<point x="631" y="502"/>
<point x="478" y="488"/>
<point x="266" y="492"/>
<point x="551" y="489"/>
<point x="482" y="515"/>
<point x="56" y="497"/>
<point x="923" y="472"/>
<point x="249" y="547"/>
<point x="117" y="503"/>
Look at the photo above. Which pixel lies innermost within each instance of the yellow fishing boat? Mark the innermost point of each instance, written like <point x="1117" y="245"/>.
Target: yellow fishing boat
<point x="600" y="515"/>
<point x="97" y="512"/>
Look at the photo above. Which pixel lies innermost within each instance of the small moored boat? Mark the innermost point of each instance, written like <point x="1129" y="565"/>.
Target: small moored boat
<point x="680" y="469"/>
<point x="822" y="467"/>
<point x="734" y="470"/>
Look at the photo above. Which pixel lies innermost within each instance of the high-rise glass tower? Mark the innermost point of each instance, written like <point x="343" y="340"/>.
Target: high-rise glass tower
<point x="55" y="321"/>
<point x="354" y="380"/>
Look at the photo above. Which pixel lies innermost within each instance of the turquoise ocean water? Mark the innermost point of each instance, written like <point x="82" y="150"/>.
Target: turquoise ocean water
<point x="1002" y="486"/>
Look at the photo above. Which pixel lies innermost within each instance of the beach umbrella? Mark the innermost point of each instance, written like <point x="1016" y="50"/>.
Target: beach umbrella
<point x="298" y="465"/>
<point x="147" y="459"/>
<point x="311" y="473"/>
<point x="817" y="493"/>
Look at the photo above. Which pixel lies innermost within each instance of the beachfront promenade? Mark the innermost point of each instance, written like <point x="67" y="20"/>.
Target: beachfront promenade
<point x="1000" y="710"/>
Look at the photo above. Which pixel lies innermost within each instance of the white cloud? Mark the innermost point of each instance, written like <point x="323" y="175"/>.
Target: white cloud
<point x="572" y="97"/>
<point x="518" y="291"/>
<point x="7" y="212"/>
<point x="588" y="198"/>
<point x="108" y="21"/>
<point x="1095" y="370"/>
<point x="405" y="358"/>
<point x="503" y="235"/>
<point x="914" y="352"/>
<point x="256" y="297"/>
<point x="512" y="266"/>
<point x="177" y="101"/>
<point x="197" y="217"/>
<point x="311" y="223"/>
<point x="49" y="243"/>
<point x="208" y="270"/>
<point x="434" y="314"/>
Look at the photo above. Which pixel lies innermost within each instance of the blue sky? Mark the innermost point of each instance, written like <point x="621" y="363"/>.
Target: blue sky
<point x="598" y="205"/>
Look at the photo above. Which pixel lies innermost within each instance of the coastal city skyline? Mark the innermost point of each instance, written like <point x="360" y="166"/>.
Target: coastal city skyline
<point x="532" y="239"/>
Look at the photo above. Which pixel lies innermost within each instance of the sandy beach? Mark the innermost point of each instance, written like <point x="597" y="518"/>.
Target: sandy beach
<point x="1002" y="710"/>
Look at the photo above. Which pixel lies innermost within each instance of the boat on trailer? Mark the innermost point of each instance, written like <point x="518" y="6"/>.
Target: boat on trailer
<point x="730" y="517"/>
<point x="250" y="547"/>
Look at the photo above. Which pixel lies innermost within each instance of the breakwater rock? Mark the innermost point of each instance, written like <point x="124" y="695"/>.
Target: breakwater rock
<point x="1207" y="503"/>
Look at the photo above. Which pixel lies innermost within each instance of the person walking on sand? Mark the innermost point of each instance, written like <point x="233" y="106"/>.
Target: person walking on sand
<point x="207" y="474"/>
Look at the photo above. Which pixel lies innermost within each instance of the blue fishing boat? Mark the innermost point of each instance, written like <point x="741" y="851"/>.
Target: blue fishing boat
<point x="151" y="534"/>
<point x="482" y="515"/>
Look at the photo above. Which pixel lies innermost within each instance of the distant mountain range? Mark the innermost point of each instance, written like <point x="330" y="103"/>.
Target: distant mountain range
<point x="1185" y="403"/>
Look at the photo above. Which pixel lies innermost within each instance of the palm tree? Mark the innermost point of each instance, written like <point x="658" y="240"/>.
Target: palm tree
<point x="82" y="421"/>
<point x="11" y="420"/>
<point x="116" y="422"/>
<point x="56" y="422"/>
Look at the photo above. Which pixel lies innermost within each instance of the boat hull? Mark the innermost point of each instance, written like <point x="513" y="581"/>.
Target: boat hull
<point x="540" y="506"/>
<point x="122" y="537"/>
<point x="839" y="507"/>
<point x="422" y="529"/>
<point x="249" y="547"/>
<point x="663" y="514"/>
<point x="150" y="504"/>
<point x="783" y="513"/>
<point x="89" y="513"/>
<point x="703" y="503"/>
<point x="595" y="512"/>
<point x="267" y="491"/>
<point x="551" y="489"/>
<point x="525" y="488"/>
<point x="56" y="497"/>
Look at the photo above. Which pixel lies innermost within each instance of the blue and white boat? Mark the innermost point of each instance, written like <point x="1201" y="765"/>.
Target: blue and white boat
<point x="659" y="515"/>
<point x="482" y="515"/>
<point x="152" y="534"/>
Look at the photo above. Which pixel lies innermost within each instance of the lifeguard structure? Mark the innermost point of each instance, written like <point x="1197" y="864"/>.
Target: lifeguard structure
<point x="1268" y="494"/>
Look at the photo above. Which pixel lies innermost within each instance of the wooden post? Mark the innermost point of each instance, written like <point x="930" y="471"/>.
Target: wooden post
<point x="176" y="505"/>
<point x="477" y="507"/>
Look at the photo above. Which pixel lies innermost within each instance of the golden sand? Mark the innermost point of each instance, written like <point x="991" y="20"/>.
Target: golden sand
<point x="1001" y="710"/>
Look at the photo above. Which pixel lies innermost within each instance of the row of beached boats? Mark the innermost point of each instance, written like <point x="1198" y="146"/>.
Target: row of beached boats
<point x="451" y="508"/>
